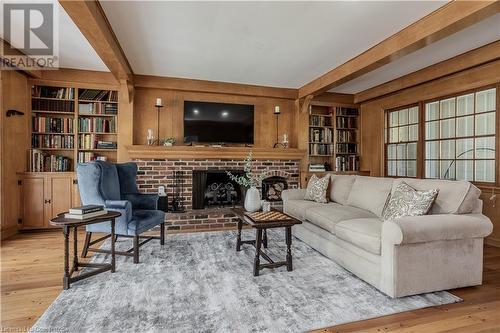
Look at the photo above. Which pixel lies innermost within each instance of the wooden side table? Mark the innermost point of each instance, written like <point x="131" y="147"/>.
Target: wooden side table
<point x="66" y="225"/>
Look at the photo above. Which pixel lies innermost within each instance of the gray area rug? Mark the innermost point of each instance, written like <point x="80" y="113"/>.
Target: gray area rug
<point x="199" y="283"/>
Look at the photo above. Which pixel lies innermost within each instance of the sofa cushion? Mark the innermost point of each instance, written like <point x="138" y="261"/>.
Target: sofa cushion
<point x="316" y="188"/>
<point x="327" y="215"/>
<point x="454" y="197"/>
<point x="340" y="187"/>
<point x="370" y="193"/>
<point x="406" y="201"/>
<point x="297" y="208"/>
<point x="364" y="233"/>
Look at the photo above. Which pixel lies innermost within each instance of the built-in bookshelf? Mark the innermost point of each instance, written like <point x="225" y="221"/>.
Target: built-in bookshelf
<point x="333" y="138"/>
<point x="71" y="125"/>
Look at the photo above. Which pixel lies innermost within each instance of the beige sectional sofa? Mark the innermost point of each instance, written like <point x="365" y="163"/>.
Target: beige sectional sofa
<point x="411" y="255"/>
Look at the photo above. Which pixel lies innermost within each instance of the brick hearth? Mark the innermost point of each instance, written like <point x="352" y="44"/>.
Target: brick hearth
<point x="155" y="172"/>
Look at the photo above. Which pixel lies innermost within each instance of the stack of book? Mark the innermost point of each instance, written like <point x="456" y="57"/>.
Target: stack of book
<point x="317" y="168"/>
<point x="106" y="144"/>
<point x="85" y="212"/>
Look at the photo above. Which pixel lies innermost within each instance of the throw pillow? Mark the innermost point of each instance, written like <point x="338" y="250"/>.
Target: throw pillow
<point x="316" y="189"/>
<point x="406" y="201"/>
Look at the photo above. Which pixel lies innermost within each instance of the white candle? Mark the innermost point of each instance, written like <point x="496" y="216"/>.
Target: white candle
<point x="158" y="102"/>
<point x="276" y="109"/>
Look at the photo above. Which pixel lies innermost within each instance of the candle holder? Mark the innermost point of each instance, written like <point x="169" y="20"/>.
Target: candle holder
<point x="277" y="112"/>
<point x="158" y="107"/>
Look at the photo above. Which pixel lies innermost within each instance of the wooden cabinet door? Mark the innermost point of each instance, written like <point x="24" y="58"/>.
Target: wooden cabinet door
<point x="33" y="202"/>
<point x="61" y="189"/>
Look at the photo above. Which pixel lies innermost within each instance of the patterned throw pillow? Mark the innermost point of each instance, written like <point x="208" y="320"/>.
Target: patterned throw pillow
<point x="316" y="188"/>
<point x="406" y="201"/>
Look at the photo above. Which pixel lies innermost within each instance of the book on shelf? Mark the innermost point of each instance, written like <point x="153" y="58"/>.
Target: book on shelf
<point x="346" y="136"/>
<point x="347" y="163"/>
<point x="345" y="111"/>
<point x="347" y="122"/>
<point x="55" y="141"/>
<point x="38" y="161"/>
<point x="98" y="95"/>
<point x="321" y="135"/>
<point x="85" y="209"/>
<point x="52" y="105"/>
<point x="317" y="168"/>
<point x="42" y="124"/>
<point x="85" y="216"/>
<point x="347" y="148"/>
<point x="86" y="156"/>
<point x="320" y="149"/>
<point x="52" y="92"/>
<point x="106" y="144"/>
<point x="85" y="108"/>
<point x="101" y="125"/>
<point x="87" y="141"/>
<point x="318" y="120"/>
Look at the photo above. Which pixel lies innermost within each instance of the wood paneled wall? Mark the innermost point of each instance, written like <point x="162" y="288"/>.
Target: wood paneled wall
<point x="372" y="121"/>
<point x="15" y="140"/>
<point x="171" y="116"/>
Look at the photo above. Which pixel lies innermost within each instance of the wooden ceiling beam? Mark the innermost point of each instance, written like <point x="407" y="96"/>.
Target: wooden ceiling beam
<point x="89" y="17"/>
<point x="450" y="18"/>
<point x="216" y="87"/>
<point x="34" y="73"/>
<point x="473" y="58"/>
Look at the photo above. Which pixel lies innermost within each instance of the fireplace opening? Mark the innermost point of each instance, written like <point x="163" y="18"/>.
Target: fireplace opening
<point x="272" y="188"/>
<point x="214" y="188"/>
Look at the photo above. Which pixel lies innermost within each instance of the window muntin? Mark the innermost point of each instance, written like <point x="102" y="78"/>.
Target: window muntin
<point x="460" y="137"/>
<point x="401" y="142"/>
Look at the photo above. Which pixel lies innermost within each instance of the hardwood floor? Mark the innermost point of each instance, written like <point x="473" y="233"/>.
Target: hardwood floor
<point x="31" y="278"/>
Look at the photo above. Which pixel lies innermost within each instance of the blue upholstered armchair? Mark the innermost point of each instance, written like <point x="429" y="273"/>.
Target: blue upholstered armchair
<point x="114" y="186"/>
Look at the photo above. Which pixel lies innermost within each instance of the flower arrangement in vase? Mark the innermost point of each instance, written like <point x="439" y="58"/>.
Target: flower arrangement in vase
<point x="250" y="181"/>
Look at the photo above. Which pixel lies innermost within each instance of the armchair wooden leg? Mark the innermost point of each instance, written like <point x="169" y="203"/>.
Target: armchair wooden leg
<point x="86" y="245"/>
<point x="162" y="233"/>
<point x="136" y="249"/>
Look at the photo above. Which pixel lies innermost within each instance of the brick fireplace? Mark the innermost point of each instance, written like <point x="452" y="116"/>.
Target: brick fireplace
<point x="154" y="172"/>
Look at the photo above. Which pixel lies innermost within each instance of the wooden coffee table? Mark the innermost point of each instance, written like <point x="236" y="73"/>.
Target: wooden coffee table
<point x="261" y="222"/>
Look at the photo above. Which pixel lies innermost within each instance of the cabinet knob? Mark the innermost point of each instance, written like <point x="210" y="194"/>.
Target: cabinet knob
<point x="47" y="201"/>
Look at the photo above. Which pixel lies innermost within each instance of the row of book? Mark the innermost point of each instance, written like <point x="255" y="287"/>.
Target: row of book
<point x="85" y="156"/>
<point x="343" y="111"/>
<point x="52" y="105"/>
<point x="347" y="122"/>
<point x="91" y="141"/>
<point x="97" y="125"/>
<point x="53" y="92"/>
<point x="97" y="108"/>
<point x="347" y="148"/>
<point x="316" y="120"/>
<point x="58" y="141"/>
<point x="347" y="163"/>
<point x="98" y="95"/>
<point x="52" y="125"/>
<point x="346" y="136"/>
<point x="320" y="149"/>
<point x="38" y="161"/>
<point x="323" y="135"/>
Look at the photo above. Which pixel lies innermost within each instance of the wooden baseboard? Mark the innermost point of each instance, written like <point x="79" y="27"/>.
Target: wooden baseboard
<point x="492" y="242"/>
<point x="9" y="232"/>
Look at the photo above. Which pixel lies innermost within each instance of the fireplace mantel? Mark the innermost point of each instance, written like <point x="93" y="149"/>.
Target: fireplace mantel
<point x="213" y="153"/>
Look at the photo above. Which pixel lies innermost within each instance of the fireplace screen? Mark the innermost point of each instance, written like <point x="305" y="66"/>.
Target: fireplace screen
<point x="272" y="188"/>
<point x="213" y="188"/>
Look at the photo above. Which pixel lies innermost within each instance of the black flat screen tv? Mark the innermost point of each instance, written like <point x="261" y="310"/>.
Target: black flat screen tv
<point x="207" y="122"/>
